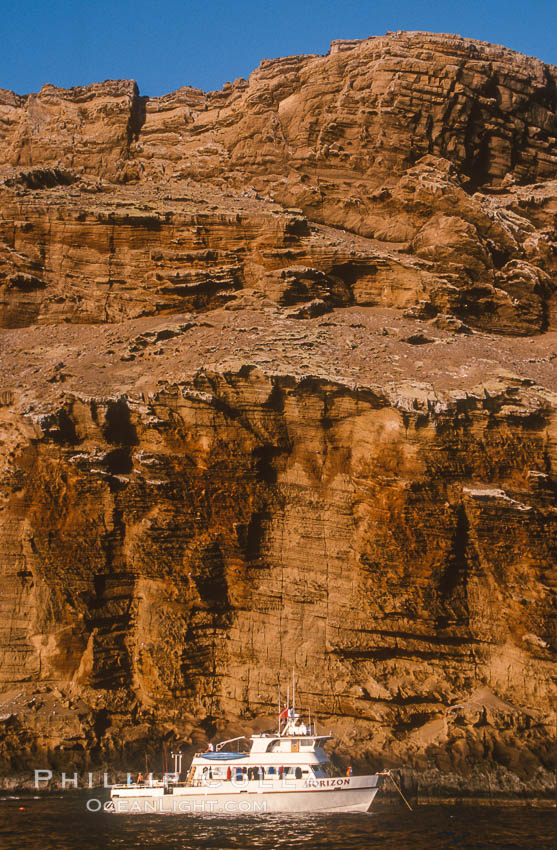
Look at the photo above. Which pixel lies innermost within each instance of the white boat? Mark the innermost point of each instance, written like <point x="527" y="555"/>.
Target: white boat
<point x="286" y="771"/>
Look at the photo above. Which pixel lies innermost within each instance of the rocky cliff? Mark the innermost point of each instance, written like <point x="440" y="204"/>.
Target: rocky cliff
<point x="279" y="389"/>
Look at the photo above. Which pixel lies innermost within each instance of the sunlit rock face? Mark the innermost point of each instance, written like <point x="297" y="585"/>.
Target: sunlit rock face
<point x="279" y="390"/>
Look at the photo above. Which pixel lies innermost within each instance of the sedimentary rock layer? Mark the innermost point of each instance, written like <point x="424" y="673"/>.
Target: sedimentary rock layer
<point x="365" y="112"/>
<point x="92" y="253"/>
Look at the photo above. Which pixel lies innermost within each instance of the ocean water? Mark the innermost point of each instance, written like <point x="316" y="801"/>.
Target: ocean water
<point x="63" y="823"/>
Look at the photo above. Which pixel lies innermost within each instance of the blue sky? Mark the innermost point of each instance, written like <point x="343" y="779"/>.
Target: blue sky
<point x="169" y="44"/>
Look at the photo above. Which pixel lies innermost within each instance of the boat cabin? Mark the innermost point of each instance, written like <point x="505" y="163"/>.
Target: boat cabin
<point x="295" y="752"/>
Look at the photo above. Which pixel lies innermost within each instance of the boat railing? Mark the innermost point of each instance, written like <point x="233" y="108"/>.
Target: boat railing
<point x="221" y="744"/>
<point x="156" y="783"/>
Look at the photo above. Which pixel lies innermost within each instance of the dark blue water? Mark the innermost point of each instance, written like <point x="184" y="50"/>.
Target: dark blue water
<point x="63" y="823"/>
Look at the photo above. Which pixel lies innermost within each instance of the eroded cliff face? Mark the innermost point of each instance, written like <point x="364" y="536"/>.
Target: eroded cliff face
<point x="364" y="112"/>
<point x="238" y="436"/>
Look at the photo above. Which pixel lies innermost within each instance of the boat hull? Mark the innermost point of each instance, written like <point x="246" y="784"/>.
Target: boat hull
<point x="355" y="794"/>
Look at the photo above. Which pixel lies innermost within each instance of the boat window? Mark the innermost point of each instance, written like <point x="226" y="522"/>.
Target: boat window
<point x="323" y="771"/>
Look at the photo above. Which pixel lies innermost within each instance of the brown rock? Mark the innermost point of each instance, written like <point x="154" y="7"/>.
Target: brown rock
<point x="279" y="390"/>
